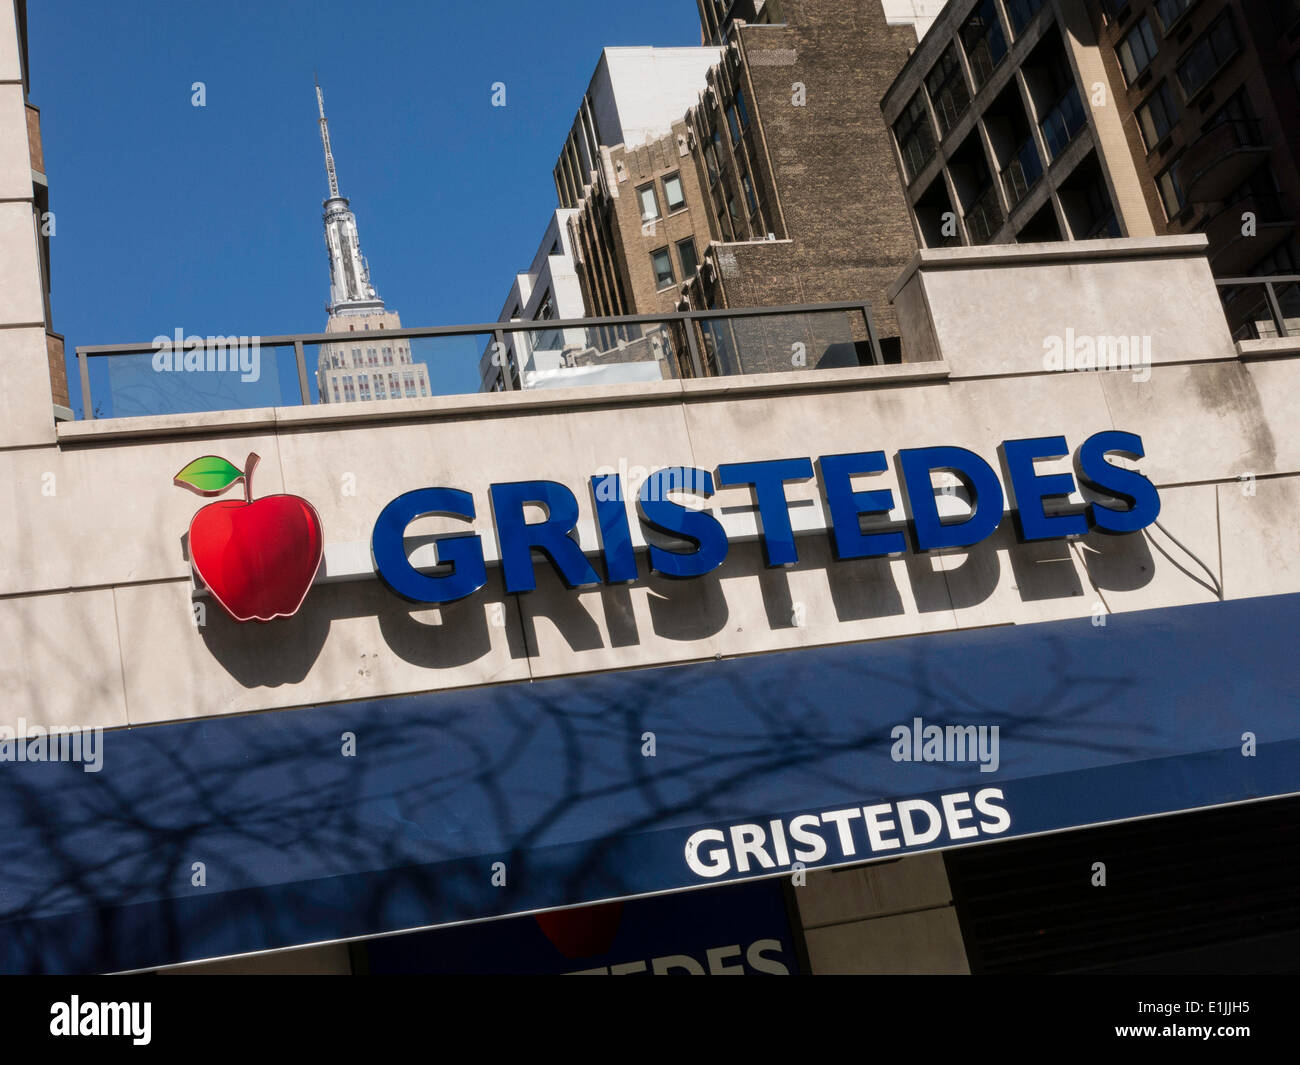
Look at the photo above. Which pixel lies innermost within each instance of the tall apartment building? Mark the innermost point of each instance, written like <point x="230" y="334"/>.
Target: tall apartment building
<point x="1210" y="94"/>
<point x="627" y="175"/>
<point x="359" y="369"/>
<point x="995" y="135"/>
<point x="760" y="189"/>
<point x="625" y="183"/>
<point x="35" y="350"/>
<point x="1031" y="120"/>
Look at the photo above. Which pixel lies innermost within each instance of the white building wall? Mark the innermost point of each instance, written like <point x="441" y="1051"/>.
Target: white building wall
<point x="637" y="93"/>
<point x="26" y="399"/>
<point x="920" y="14"/>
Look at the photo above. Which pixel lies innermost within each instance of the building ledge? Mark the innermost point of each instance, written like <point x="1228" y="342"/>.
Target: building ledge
<point x="1269" y="347"/>
<point x="1058" y="251"/>
<point x="343" y="415"/>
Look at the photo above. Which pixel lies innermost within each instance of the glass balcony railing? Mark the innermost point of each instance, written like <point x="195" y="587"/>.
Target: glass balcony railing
<point x="1022" y="173"/>
<point x="1021" y="11"/>
<point x="984" y="216"/>
<point x="1104" y="227"/>
<point x="1261" y="308"/>
<point x="1063" y="122"/>
<point x="180" y="374"/>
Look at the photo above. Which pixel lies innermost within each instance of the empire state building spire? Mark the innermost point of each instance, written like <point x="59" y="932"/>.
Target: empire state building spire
<point x="350" y="289"/>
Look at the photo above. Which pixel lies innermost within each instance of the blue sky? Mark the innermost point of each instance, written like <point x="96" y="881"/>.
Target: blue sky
<point x="209" y="219"/>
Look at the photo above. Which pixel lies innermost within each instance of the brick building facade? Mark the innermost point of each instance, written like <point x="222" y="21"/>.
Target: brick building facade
<point x="775" y="187"/>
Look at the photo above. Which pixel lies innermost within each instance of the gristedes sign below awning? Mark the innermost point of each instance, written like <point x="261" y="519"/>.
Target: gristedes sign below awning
<point x="349" y="820"/>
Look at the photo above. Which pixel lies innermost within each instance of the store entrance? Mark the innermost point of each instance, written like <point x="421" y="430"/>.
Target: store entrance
<point x="1211" y="891"/>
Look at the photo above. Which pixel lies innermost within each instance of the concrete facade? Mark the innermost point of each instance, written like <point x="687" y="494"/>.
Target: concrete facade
<point x="1208" y="414"/>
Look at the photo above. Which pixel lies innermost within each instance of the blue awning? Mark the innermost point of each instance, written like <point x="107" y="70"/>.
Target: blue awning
<point x="548" y="781"/>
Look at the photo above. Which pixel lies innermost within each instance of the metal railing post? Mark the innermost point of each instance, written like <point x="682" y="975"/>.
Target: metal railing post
<point x="87" y="407"/>
<point x="303" y="387"/>
<point x="697" y="367"/>
<point x="1275" y="309"/>
<point x="499" y="338"/>
<point x="877" y="356"/>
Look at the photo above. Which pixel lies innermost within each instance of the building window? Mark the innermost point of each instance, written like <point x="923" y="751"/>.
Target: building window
<point x="719" y="153"/>
<point x="1170" y="11"/>
<point x="379" y="387"/>
<point x="1261" y="186"/>
<point x="363" y="385"/>
<point x="649" y="203"/>
<point x="1285" y="13"/>
<point x="408" y="380"/>
<point x="394" y="387"/>
<point x="741" y="109"/>
<point x="915" y="136"/>
<point x="947" y="88"/>
<point x="734" y="212"/>
<point x="711" y="160"/>
<point x="662" y="263"/>
<point x="673" y="195"/>
<point x="356" y="356"/>
<point x="724" y="230"/>
<point x="1021" y="11"/>
<point x="1137" y="49"/>
<point x="1210" y="52"/>
<point x="749" y="192"/>
<point x="733" y="124"/>
<point x="984" y="41"/>
<point x="1238" y="113"/>
<point x="686" y="253"/>
<point x="1157" y="115"/>
<point x="1171" y="190"/>
<point x="388" y="356"/>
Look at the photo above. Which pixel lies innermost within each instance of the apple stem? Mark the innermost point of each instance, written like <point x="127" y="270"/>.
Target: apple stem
<point x="249" y="465"/>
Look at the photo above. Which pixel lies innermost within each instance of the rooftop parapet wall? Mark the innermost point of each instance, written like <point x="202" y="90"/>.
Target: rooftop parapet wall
<point x="1030" y="308"/>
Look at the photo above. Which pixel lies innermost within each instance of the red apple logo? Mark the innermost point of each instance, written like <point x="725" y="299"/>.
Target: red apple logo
<point x="258" y="557"/>
<point x="583" y="932"/>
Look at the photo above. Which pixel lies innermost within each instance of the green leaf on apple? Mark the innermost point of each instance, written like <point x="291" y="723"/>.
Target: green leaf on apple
<point x="209" y="475"/>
